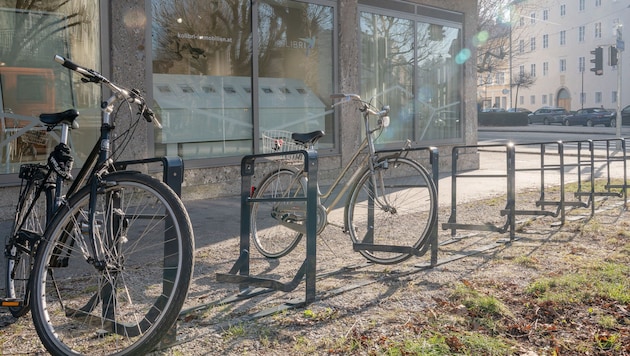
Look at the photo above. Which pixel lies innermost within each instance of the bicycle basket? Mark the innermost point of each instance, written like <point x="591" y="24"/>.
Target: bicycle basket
<point x="274" y="141"/>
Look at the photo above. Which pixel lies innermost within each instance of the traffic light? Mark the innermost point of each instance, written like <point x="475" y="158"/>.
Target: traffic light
<point x="598" y="60"/>
<point x="612" y="56"/>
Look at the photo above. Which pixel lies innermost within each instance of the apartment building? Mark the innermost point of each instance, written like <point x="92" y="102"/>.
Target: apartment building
<point x="552" y="43"/>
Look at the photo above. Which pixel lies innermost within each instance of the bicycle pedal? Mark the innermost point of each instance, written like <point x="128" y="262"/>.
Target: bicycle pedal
<point x="10" y="303"/>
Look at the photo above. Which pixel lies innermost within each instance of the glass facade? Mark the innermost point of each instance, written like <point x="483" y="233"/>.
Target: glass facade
<point x="31" y="82"/>
<point x="217" y="85"/>
<point x="224" y="72"/>
<point x="414" y="64"/>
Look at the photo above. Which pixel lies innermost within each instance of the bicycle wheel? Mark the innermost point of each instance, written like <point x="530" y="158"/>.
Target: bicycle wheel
<point x="274" y="223"/>
<point x="126" y="302"/>
<point x="31" y="214"/>
<point x="398" y="207"/>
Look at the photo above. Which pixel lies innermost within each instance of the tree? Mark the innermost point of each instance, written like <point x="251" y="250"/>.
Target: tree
<point x="524" y="80"/>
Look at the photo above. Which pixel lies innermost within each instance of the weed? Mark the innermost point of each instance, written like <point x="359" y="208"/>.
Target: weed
<point x="234" y="331"/>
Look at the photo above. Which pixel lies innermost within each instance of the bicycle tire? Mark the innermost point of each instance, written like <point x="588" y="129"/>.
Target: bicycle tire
<point x="271" y="238"/>
<point x="33" y="210"/>
<point x="407" y="219"/>
<point x="127" y="305"/>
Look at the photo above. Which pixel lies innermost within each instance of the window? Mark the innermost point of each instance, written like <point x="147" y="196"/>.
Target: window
<point x="532" y="99"/>
<point x="545" y="68"/>
<point x="581" y="33"/>
<point x="521" y="46"/>
<point x="581" y="5"/>
<point x="614" y="97"/>
<point x="533" y="70"/>
<point x="563" y="37"/>
<point x="598" y="30"/>
<point x="563" y="65"/>
<point x="521" y="100"/>
<point x="500" y="78"/>
<point x="545" y="15"/>
<point x="521" y="70"/>
<point x="545" y="41"/>
<point x="598" y="97"/>
<point x="418" y="85"/>
<point x="598" y="3"/>
<point x="521" y="21"/>
<point x="532" y="18"/>
<point x="563" y="10"/>
<point x="210" y="54"/>
<point x="581" y="64"/>
<point x="32" y="83"/>
<point x="532" y="44"/>
<point x="544" y="99"/>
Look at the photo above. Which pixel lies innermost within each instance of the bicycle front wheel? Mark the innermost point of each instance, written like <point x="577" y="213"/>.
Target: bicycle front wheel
<point x="34" y="207"/>
<point x="124" y="301"/>
<point x="274" y="222"/>
<point x="398" y="207"/>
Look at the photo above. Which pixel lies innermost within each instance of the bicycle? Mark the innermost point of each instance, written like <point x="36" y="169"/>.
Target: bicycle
<point x="392" y="198"/>
<point x="113" y="266"/>
<point x="32" y="214"/>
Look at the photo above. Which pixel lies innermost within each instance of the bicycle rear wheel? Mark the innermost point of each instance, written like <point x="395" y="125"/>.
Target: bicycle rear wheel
<point x="127" y="302"/>
<point x="271" y="220"/>
<point x="34" y="208"/>
<point x="397" y="208"/>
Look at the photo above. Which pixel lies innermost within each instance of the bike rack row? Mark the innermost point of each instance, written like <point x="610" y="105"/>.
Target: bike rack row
<point x="564" y="160"/>
<point x="240" y="271"/>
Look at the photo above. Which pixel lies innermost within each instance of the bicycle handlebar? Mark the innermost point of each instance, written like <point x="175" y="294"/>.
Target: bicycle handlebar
<point x="365" y="106"/>
<point x="92" y="76"/>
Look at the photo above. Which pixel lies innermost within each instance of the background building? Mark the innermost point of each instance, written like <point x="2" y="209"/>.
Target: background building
<point x="221" y="73"/>
<point x="551" y="45"/>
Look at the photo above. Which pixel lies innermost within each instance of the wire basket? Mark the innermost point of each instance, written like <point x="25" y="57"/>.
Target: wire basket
<point x="275" y="141"/>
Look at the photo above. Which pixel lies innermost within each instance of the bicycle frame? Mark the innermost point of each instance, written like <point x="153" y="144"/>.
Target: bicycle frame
<point x="370" y="160"/>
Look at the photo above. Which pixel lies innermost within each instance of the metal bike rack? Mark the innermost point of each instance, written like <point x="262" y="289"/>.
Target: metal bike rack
<point x="432" y="244"/>
<point x="240" y="273"/>
<point x="545" y="168"/>
<point x="172" y="172"/>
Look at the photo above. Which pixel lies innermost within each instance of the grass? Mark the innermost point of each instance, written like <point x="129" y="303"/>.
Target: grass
<point x="597" y="280"/>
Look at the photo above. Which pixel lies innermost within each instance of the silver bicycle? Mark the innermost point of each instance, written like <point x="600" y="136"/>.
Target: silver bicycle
<point x="392" y="199"/>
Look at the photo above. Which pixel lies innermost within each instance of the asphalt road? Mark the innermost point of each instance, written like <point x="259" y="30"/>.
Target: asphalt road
<point x="546" y="133"/>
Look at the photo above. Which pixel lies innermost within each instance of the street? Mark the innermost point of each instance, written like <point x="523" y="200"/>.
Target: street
<point x="546" y="133"/>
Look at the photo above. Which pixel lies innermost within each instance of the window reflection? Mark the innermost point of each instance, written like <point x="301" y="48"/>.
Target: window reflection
<point x="411" y="66"/>
<point x="31" y="83"/>
<point x="202" y="79"/>
<point x="201" y="75"/>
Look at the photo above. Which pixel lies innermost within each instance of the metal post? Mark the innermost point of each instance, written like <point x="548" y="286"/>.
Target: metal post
<point x="620" y="47"/>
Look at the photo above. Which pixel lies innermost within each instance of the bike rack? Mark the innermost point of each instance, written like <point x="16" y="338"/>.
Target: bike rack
<point x="240" y="273"/>
<point x="172" y="175"/>
<point x="432" y="244"/>
<point x="561" y="204"/>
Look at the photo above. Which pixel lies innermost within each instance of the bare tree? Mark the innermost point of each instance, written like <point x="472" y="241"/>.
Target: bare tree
<point x="522" y="80"/>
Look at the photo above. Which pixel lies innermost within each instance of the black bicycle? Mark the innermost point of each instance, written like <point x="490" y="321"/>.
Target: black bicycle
<point x="105" y="268"/>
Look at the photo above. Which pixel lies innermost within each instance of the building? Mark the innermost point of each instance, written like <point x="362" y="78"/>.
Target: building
<point x="554" y="44"/>
<point x="221" y="73"/>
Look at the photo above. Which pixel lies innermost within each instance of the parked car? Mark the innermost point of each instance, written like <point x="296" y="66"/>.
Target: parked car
<point x="591" y="117"/>
<point x="519" y="110"/>
<point x="548" y="115"/>
<point x="625" y="115"/>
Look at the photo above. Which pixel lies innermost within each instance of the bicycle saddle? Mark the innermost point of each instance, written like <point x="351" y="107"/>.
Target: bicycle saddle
<point x="307" y="138"/>
<point x="57" y="118"/>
